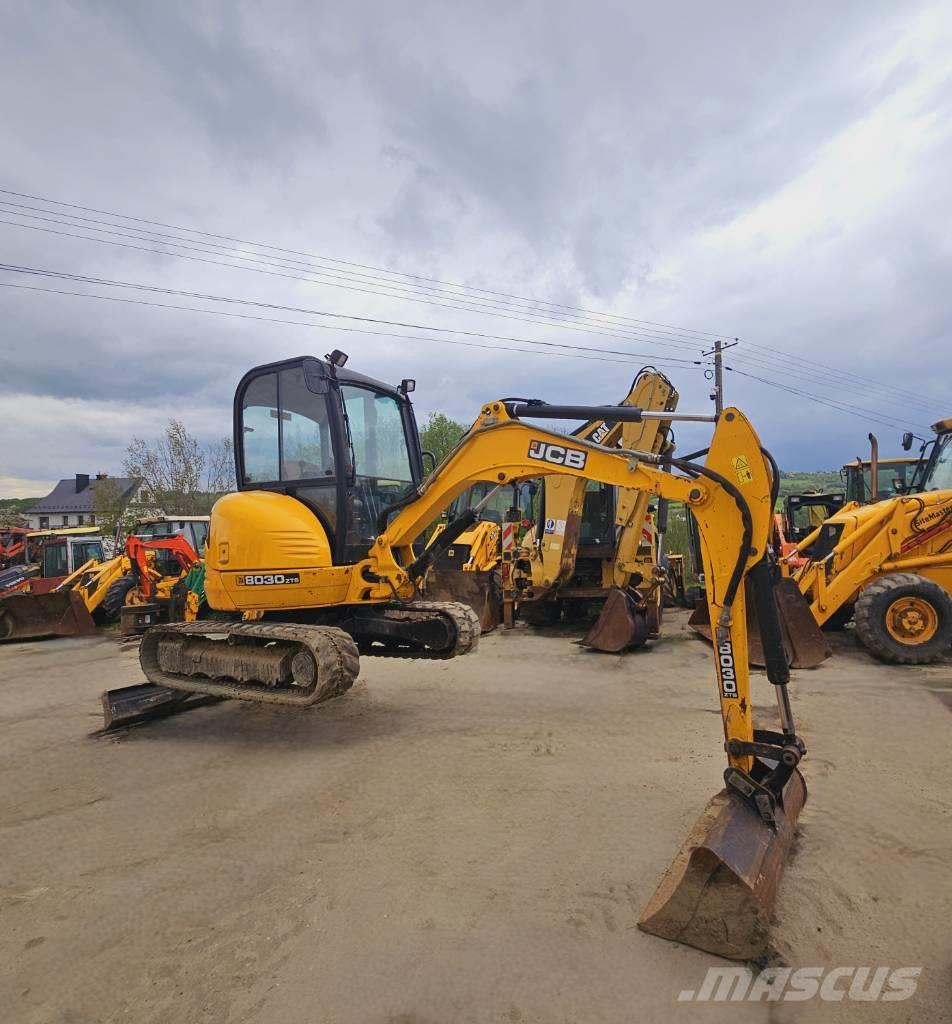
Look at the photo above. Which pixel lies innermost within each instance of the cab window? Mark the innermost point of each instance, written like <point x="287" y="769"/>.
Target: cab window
<point x="381" y="471"/>
<point x="285" y="430"/>
<point x="940" y="472"/>
<point x="86" y="550"/>
<point x="377" y="435"/>
<point x="55" y="559"/>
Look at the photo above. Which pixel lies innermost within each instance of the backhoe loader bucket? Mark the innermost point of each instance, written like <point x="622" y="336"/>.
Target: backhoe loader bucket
<point x="803" y="640"/>
<point x="25" y="616"/>
<point x="719" y="892"/>
<point x="480" y="590"/>
<point x="623" y="623"/>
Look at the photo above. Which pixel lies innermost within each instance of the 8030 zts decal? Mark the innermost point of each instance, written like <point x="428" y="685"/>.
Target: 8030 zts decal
<point x="269" y="579"/>
<point x="557" y="454"/>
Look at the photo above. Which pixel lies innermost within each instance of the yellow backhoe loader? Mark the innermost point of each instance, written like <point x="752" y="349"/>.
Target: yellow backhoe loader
<point x="316" y="550"/>
<point x="889" y="563"/>
<point x="471" y="569"/>
<point x="595" y="543"/>
<point x="558" y="543"/>
<point x="157" y="573"/>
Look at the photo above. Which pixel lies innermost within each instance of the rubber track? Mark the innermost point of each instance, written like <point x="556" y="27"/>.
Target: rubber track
<point x="463" y="617"/>
<point x="334" y="652"/>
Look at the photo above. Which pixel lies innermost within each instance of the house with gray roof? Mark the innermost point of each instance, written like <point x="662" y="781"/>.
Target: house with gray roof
<point x="73" y="502"/>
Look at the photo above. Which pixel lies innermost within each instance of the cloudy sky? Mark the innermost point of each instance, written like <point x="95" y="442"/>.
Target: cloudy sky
<point x="573" y="173"/>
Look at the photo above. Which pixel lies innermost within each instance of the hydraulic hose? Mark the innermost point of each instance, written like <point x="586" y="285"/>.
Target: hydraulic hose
<point x="748" y="531"/>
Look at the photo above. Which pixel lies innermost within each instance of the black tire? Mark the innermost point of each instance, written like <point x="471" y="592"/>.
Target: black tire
<point x="875" y="606"/>
<point x="839" y="618"/>
<point x="540" y="613"/>
<point x="115" y="599"/>
<point x="575" y="609"/>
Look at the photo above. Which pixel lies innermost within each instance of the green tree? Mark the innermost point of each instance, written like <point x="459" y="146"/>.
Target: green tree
<point x="179" y="475"/>
<point x="12" y="511"/>
<point x="440" y="435"/>
<point x="113" y="512"/>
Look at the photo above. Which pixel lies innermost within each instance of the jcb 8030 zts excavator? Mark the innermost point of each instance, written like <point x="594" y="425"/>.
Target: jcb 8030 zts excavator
<point x="316" y="549"/>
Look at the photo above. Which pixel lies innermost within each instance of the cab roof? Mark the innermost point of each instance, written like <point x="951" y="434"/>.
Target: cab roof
<point x="66" y="531"/>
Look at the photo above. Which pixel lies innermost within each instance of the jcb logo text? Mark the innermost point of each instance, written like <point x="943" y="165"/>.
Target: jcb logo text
<point x="557" y="454"/>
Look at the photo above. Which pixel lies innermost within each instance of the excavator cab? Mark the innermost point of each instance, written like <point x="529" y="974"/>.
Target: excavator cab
<point x="344" y="445"/>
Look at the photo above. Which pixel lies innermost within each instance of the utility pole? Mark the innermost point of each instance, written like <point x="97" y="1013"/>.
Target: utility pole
<point x="718" y="393"/>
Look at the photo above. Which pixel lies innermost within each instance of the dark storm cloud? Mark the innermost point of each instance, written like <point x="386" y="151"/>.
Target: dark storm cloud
<point x="777" y="174"/>
<point x="211" y="62"/>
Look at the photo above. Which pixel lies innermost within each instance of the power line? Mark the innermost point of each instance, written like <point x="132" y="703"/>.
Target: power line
<point x="457" y="295"/>
<point x="157" y="289"/>
<point x="596" y="329"/>
<point x="315" y="280"/>
<point x="334" y="327"/>
<point x="583" y="353"/>
<point x="793" y="363"/>
<point x="850" y="410"/>
<point x="362" y="266"/>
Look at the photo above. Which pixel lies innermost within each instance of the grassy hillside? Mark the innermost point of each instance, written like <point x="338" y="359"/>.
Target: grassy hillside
<point x="17" y="506"/>
<point x="797" y="483"/>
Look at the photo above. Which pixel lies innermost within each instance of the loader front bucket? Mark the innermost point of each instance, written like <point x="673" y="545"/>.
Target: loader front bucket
<point x="480" y="590"/>
<point x="25" y="616"/>
<point x="719" y="892"/>
<point x="803" y="640"/>
<point x="623" y="623"/>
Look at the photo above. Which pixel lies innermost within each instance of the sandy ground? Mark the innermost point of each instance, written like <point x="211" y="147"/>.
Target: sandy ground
<point x="466" y="841"/>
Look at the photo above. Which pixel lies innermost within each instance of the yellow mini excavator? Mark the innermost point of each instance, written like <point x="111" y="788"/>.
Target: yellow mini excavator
<point x="316" y="550"/>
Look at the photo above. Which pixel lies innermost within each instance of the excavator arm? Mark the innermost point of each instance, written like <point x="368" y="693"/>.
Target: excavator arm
<point x="729" y="495"/>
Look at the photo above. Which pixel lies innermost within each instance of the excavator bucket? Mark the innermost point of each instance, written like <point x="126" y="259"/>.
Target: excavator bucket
<point x="803" y="640"/>
<point x="480" y="590"/>
<point x="719" y="892"/>
<point x="622" y="624"/>
<point x="25" y="616"/>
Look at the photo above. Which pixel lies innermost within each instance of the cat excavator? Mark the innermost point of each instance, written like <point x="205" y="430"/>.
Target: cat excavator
<point x="316" y="550"/>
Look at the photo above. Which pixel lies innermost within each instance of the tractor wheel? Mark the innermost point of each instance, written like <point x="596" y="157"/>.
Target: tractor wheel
<point x="905" y="619"/>
<point x="540" y="613"/>
<point x="115" y="599"/>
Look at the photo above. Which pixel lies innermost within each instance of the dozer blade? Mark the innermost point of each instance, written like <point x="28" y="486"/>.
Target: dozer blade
<point x="25" y="616"/>
<point x="622" y="624"/>
<point x="133" y="705"/>
<point x="803" y="640"/>
<point x="480" y="590"/>
<point x="719" y="892"/>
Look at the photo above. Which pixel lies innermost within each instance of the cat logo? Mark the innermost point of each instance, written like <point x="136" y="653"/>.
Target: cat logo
<point x="601" y="433"/>
<point x="557" y="454"/>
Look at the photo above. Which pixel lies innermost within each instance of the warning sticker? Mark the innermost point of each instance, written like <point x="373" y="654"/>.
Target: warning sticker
<point x="550" y="526"/>
<point x="742" y="469"/>
<point x="556" y="526"/>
